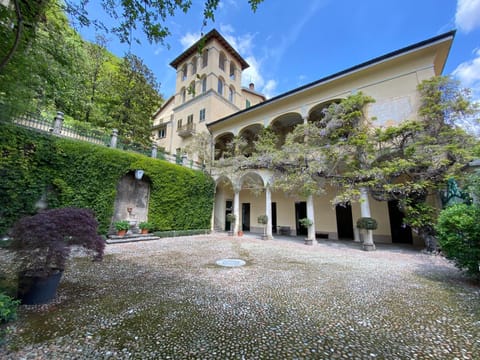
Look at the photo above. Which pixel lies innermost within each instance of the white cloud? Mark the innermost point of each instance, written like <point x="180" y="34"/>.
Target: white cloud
<point x="244" y="44"/>
<point x="269" y="88"/>
<point x="467" y="17"/>
<point x="189" y="39"/>
<point x="468" y="73"/>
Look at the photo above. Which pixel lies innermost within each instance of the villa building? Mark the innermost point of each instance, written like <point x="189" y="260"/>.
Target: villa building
<point x="209" y="97"/>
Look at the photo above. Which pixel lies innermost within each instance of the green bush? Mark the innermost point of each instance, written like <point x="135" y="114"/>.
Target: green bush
<point x="458" y="233"/>
<point x="367" y="223"/>
<point x="8" y="308"/>
<point x="68" y="173"/>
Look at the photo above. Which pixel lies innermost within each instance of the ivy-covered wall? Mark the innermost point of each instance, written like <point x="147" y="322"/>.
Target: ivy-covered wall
<point x="74" y="173"/>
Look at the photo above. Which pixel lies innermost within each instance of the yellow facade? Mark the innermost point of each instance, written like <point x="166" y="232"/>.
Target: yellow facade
<point x="391" y="80"/>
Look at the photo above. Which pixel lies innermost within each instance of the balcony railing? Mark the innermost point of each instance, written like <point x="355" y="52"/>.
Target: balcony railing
<point x="186" y="130"/>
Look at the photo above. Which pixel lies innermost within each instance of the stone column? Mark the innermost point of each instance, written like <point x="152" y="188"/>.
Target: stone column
<point x="368" y="244"/>
<point x="236" y="211"/>
<point x="58" y="123"/>
<point x="310" y="215"/>
<point x="114" y="138"/>
<point x="268" y="211"/>
<point x="154" y="150"/>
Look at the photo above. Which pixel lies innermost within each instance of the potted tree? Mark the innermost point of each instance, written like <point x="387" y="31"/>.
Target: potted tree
<point x="231" y="217"/>
<point x="145" y="227"/>
<point x="306" y="222"/>
<point x="367" y="224"/>
<point x="122" y="227"/>
<point x="42" y="245"/>
<point x="263" y="220"/>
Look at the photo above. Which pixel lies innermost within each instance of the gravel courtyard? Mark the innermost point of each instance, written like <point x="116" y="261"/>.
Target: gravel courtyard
<point x="168" y="299"/>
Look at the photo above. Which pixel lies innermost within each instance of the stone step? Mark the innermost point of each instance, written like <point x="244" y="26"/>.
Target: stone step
<point x="114" y="239"/>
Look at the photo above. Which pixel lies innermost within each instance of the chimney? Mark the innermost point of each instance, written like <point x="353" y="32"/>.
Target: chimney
<point x="251" y="86"/>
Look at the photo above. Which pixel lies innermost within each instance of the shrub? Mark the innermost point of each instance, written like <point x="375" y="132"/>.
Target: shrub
<point x="306" y="222"/>
<point x="42" y="242"/>
<point x="121" y="225"/>
<point x="367" y="223"/>
<point x="458" y="233"/>
<point x="8" y="308"/>
<point x="262" y="219"/>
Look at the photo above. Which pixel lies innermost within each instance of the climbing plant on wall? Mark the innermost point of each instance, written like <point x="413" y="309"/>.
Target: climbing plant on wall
<point x="72" y="173"/>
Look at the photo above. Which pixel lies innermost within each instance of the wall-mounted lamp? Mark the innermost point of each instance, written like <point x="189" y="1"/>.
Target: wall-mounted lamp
<point x="139" y="174"/>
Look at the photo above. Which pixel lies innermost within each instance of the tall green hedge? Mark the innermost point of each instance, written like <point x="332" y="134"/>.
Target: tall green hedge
<point x="74" y="173"/>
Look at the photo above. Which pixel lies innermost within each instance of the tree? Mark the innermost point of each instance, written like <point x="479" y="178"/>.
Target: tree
<point x="406" y="162"/>
<point x="151" y="16"/>
<point x="136" y="99"/>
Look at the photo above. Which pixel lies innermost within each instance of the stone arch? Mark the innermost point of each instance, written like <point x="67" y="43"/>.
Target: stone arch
<point x="224" y="195"/>
<point x="284" y="124"/>
<point x="221" y="144"/>
<point x="316" y="112"/>
<point x="131" y="202"/>
<point x="250" y="134"/>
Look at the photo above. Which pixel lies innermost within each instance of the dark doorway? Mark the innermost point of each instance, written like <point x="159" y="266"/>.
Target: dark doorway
<point x="274" y="218"/>
<point x="228" y="210"/>
<point x="344" y="221"/>
<point x="401" y="234"/>
<point x="300" y="213"/>
<point x="246" y="217"/>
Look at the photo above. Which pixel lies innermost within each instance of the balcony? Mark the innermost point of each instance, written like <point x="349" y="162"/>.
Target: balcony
<point x="186" y="130"/>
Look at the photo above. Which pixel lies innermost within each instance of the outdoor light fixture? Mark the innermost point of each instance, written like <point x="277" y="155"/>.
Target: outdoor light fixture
<point x="139" y="174"/>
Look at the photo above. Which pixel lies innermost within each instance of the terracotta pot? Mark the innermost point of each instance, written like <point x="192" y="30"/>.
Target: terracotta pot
<point x="121" y="232"/>
<point x="144" y="231"/>
<point x="240" y="233"/>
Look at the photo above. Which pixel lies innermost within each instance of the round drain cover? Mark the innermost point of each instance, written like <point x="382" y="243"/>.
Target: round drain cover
<point x="231" y="262"/>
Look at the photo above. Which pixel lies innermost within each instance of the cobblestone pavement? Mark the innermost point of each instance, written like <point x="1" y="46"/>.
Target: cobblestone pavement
<point x="168" y="299"/>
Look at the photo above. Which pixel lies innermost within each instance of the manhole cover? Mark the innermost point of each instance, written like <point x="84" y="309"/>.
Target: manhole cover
<point x="231" y="262"/>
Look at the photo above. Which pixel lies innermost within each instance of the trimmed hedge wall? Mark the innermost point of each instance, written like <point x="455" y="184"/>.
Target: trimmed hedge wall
<point x="75" y="173"/>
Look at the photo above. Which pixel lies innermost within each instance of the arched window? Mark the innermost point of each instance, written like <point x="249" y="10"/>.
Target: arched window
<point x="231" y="94"/>
<point x="194" y="65"/>
<point x="205" y="58"/>
<point x="184" y="72"/>
<point x="183" y="93"/>
<point x="191" y="89"/>
<point x="221" y="61"/>
<point x="220" y="86"/>
<point x="204" y="84"/>
<point x="233" y="69"/>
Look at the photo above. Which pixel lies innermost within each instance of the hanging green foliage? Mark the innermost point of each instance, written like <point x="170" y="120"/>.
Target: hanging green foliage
<point x="66" y="173"/>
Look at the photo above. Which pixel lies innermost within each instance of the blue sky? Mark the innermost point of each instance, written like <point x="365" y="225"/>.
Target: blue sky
<point x="291" y="43"/>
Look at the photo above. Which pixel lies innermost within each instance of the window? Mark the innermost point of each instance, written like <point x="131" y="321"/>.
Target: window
<point x="204" y="84"/>
<point x="232" y="70"/>
<point x="202" y="115"/>
<point x="220" y="86"/>
<point x="179" y="124"/>
<point x="205" y="58"/>
<point x="231" y="94"/>
<point x="190" y="119"/>
<point x="194" y="65"/>
<point x="184" y="95"/>
<point x="184" y="72"/>
<point x="221" y="61"/>
<point x="191" y="89"/>
<point x="162" y="132"/>
<point x="247" y="104"/>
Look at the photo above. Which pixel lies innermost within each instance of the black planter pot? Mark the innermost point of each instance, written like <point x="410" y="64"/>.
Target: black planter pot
<point x="36" y="290"/>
